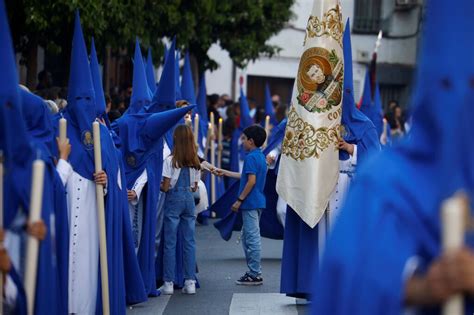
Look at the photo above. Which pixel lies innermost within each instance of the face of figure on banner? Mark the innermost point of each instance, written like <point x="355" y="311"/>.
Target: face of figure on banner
<point x="316" y="74"/>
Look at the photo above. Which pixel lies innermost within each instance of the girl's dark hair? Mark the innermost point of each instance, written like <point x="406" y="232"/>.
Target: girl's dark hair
<point x="184" y="149"/>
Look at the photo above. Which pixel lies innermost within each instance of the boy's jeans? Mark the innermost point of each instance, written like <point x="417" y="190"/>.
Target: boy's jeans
<point x="251" y="240"/>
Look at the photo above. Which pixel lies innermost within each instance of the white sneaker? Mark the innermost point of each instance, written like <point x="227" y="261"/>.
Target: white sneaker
<point x="167" y="288"/>
<point x="189" y="287"/>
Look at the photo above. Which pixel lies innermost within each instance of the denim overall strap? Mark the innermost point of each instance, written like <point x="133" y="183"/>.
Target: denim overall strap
<point x="183" y="182"/>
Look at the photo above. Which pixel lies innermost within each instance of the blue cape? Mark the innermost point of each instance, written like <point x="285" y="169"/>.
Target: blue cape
<point x="18" y="151"/>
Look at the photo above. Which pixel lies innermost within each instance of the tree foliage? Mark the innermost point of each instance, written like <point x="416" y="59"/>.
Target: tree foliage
<point x="242" y="27"/>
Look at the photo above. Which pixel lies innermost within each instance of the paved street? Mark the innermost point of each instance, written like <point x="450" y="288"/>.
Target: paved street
<point x="220" y="264"/>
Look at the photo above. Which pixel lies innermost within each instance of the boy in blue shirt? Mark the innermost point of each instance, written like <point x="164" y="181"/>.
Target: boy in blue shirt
<point x="251" y="200"/>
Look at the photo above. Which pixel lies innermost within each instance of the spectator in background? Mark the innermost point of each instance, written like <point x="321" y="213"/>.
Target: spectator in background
<point x="397" y="123"/>
<point x="213" y="101"/>
<point x="281" y="112"/>
<point x="276" y="100"/>
<point x="45" y="80"/>
<point x="223" y="105"/>
<point x="227" y="100"/>
<point x="108" y="103"/>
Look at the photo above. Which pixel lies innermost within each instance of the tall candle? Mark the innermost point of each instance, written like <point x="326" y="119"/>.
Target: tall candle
<point x="267" y="129"/>
<point x="32" y="246"/>
<point x="99" y="189"/>
<point x="453" y="215"/>
<point x="211" y="119"/>
<point x="213" y="162"/>
<point x="196" y="128"/>
<point x="219" y="141"/>
<point x="62" y="129"/>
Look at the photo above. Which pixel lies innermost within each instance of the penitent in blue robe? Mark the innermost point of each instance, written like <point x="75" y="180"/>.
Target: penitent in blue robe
<point x="393" y="210"/>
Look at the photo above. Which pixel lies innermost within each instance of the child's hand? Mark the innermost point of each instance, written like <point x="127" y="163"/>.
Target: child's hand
<point x="236" y="206"/>
<point x="343" y="145"/>
<point x="131" y="194"/>
<point x="100" y="178"/>
<point x="64" y="148"/>
<point x="218" y="172"/>
<point x="37" y="229"/>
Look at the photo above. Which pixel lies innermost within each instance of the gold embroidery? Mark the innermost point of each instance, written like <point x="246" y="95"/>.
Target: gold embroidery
<point x="335" y="115"/>
<point x="303" y="141"/>
<point x="331" y="25"/>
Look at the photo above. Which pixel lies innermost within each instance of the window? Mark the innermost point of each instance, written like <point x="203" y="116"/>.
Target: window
<point x="367" y="15"/>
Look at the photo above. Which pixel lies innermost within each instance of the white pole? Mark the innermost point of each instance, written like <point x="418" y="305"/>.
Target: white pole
<point x="32" y="248"/>
<point x="453" y="216"/>
<point x="101" y="220"/>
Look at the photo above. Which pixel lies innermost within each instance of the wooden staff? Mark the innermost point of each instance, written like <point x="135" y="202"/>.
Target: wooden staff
<point x="453" y="218"/>
<point x="62" y="130"/>
<point x="220" y="148"/>
<point x="196" y="129"/>
<point x="32" y="248"/>
<point x="1" y="227"/>
<point x="104" y="272"/>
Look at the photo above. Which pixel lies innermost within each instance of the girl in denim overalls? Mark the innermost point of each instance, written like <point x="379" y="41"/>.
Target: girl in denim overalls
<point x="180" y="177"/>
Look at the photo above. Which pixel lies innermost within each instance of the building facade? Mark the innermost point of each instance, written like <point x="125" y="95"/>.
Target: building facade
<point x="400" y="21"/>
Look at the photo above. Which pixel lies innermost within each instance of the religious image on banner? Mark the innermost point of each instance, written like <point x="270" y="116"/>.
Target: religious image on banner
<point x="309" y="165"/>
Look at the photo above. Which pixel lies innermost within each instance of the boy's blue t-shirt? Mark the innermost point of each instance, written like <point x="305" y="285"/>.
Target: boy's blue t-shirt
<point x="254" y="163"/>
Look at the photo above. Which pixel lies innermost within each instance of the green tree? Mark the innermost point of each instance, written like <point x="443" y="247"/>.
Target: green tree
<point x="242" y="27"/>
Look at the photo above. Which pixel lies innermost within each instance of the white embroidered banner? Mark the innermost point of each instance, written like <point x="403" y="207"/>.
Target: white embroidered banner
<point x="309" y="166"/>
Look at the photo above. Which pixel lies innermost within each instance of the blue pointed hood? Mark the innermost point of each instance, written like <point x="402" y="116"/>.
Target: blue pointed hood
<point x="38" y="121"/>
<point x="202" y="100"/>
<point x="14" y="141"/>
<point x="354" y="121"/>
<point x="377" y="110"/>
<point x="150" y="72"/>
<point x="187" y="83"/>
<point x="178" y="86"/>
<point x="245" y="119"/>
<point x="269" y="106"/>
<point x="97" y="81"/>
<point x="140" y="134"/>
<point x="366" y="100"/>
<point x="140" y="93"/>
<point x="81" y="96"/>
<point x="165" y="95"/>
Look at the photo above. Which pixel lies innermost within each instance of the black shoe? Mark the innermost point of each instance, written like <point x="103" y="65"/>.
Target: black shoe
<point x="248" y="279"/>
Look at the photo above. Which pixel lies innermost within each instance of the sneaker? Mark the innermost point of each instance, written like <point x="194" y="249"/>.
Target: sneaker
<point x="248" y="279"/>
<point x="167" y="288"/>
<point x="189" y="287"/>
